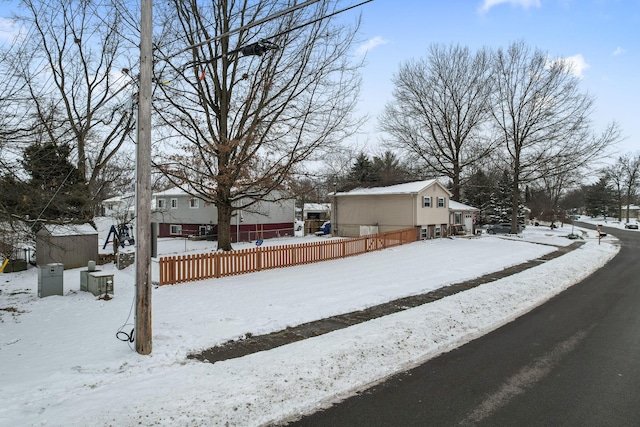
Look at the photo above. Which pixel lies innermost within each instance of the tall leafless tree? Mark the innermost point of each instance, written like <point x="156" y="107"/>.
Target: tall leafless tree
<point x="439" y="109"/>
<point x="542" y="117"/>
<point x="71" y="65"/>
<point x="243" y="126"/>
<point x="624" y="174"/>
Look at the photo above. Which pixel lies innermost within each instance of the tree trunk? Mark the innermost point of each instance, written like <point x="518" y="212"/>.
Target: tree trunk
<point x="224" y="225"/>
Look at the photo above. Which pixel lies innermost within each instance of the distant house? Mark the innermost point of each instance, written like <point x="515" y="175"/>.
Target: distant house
<point x="317" y="211"/>
<point x="634" y="212"/>
<point x="314" y="215"/>
<point x="120" y="207"/>
<point x="424" y="205"/>
<point x="73" y="245"/>
<point x="179" y="214"/>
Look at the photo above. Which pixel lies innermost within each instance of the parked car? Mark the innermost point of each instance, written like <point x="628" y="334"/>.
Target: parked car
<point x="631" y="226"/>
<point x="502" y="228"/>
<point x="324" y="229"/>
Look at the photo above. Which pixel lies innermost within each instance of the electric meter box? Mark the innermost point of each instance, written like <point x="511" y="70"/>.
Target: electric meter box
<point x="98" y="283"/>
<point x="50" y="280"/>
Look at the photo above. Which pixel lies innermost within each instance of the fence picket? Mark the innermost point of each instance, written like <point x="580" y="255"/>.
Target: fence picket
<point x="186" y="268"/>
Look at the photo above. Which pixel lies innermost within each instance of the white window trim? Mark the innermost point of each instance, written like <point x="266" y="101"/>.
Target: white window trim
<point x="174" y="203"/>
<point x="177" y="228"/>
<point x="444" y="202"/>
<point x="194" y="203"/>
<point x="161" y="203"/>
<point x="426" y="202"/>
<point x="438" y="231"/>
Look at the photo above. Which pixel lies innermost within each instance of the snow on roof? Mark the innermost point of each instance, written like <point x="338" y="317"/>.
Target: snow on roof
<point x="117" y="199"/>
<point x="70" y="229"/>
<point x="174" y="191"/>
<point x="321" y="207"/>
<point x="406" y="188"/>
<point x="457" y="206"/>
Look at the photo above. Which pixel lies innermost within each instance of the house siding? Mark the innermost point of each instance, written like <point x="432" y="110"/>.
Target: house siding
<point x="391" y="212"/>
<point x="275" y="217"/>
<point x="393" y="208"/>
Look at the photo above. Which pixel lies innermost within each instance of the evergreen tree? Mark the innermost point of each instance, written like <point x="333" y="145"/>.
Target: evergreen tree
<point x="500" y="207"/>
<point x="598" y="198"/>
<point x="55" y="190"/>
<point x="363" y="172"/>
<point x="477" y="193"/>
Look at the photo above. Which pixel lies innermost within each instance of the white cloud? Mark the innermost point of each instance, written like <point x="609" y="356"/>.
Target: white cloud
<point x="619" y="51"/>
<point x="9" y="30"/>
<point x="370" y="44"/>
<point x="526" y="4"/>
<point x="576" y="63"/>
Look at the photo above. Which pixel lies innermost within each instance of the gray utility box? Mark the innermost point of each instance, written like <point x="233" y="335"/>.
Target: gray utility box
<point x="96" y="282"/>
<point x="50" y="279"/>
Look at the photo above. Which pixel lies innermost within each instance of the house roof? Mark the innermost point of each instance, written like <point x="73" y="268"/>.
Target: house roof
<point x="406" y="188"/>
<point x="118" y="199"/>
<point x="457" y="206"/>
<point x="174" y="191"/>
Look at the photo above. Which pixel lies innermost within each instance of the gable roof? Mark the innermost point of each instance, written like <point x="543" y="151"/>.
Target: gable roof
<point x="68" y="230"/>
<point x="406" y="188"/>
<point x="457" y="206"/>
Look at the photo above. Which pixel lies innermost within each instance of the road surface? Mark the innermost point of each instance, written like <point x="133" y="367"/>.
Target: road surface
<point x="574" y="361"/>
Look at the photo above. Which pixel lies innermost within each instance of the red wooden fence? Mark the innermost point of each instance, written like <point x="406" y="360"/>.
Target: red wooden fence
<point x="188" y="268"/>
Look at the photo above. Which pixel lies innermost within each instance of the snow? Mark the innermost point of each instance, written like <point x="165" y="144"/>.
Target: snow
<point x="62" y="365"/>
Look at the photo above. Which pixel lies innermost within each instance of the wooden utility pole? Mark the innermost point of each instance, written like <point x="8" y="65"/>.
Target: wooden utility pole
<point x="143" y="184"/>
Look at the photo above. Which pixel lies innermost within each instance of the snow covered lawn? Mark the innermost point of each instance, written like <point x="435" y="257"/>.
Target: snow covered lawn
<point x="62" y="365"/>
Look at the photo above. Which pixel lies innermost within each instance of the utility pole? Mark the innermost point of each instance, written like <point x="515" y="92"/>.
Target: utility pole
<point x="143" y="184"/>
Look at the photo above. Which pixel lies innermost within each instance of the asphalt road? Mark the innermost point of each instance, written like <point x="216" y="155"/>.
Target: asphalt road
<point x="574" y="361"/>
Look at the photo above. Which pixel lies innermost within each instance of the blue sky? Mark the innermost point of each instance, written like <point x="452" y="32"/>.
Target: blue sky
<point x="602" y="37"/>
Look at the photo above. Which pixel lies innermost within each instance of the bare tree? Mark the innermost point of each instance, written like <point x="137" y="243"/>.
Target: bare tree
<point x="74" y="84"/>
<point x="244" y="126"/>
<point x="624" y="174"/>
<point x="439" y="107"/>
<point x="542" y="117"/>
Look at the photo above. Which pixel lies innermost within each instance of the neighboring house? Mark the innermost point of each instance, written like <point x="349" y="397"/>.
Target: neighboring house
<point x="634" y="212"/>
<point x="120" y="207"/>
<point x="179" y="214"/>
<point x="318" y="211"/>
<point x="72" y="245"/>
<point x="314" y="215"/>
<point x="462" y="218"/>
<point x="421" y="204"/>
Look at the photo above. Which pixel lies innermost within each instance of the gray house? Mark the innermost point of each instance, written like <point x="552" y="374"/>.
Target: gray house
<point x="72" y="245"/>
<point x="179" y="214"/>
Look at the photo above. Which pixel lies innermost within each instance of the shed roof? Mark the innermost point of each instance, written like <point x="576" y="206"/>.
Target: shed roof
<point x="406" y="188"/>
<point x="320" y="207"/>
<point x="69" y="229"/>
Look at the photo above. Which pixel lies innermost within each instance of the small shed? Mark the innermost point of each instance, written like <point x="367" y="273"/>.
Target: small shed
<point x="73" y="245"/>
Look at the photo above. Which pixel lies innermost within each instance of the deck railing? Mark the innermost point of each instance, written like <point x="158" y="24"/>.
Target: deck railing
<point x="188" y="268"/>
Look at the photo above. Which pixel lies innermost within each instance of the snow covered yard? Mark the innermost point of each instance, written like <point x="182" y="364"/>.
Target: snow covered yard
<point x="61" y="364"/>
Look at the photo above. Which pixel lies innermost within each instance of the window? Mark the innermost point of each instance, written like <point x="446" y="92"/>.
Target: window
<point x="174" y="203"/>
<point x="161" y="203"/>
<point x="194" y="203"/>
<point x="424" y="233"/>
<point x="441" y="202"/>
<point x="438" y="232"/>
<point x="175" y="229"/>
<point x="457" y="218"/>
<point x="426" y="201"/>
